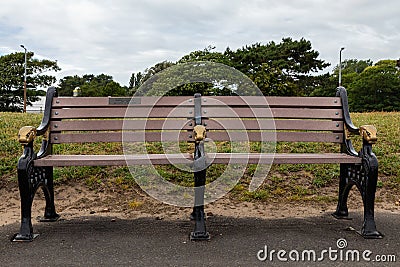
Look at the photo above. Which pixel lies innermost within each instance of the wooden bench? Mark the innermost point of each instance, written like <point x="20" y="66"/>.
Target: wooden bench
<point x="198" y="120"/>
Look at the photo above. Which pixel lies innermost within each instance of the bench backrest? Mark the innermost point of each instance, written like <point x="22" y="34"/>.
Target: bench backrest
<point x="102" y="119"/>
<point x="227" y="118"/>
<point x="289" y="119"/>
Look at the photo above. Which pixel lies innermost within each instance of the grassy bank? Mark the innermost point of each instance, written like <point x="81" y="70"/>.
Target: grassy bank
<point x="290" y="182"/>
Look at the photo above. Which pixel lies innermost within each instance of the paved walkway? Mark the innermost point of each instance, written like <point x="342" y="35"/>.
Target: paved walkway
<point x="104" y="241"/>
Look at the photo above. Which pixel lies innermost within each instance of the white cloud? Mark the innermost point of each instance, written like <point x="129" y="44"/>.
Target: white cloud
<point x="120" y="37"/>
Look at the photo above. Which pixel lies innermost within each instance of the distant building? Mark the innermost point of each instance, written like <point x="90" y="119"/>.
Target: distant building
<point x="38" y="106"/>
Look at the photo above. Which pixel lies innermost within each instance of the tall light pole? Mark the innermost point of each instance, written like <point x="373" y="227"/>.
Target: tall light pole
<point x="340" y="66"/>
<point x="24" y="79"/>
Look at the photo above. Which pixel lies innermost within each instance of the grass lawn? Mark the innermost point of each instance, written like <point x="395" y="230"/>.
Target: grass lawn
<point x="284" y="182"/>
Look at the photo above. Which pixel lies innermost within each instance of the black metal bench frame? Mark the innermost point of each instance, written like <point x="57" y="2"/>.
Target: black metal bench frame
<point x="35" y="170"/>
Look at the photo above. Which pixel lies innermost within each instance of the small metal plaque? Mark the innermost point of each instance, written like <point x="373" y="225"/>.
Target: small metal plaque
<point x="124" y="101"/>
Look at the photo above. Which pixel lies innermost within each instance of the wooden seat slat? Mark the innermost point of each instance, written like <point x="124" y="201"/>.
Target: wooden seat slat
<point x="281" y="158"/>
<point x="186" y="112"/>
<point x="265" y="124"/>
<point x="139" y="112"/>
<point x="212" y="124"/>
<point x="112" y="160"/>
<point x="215" y="158"/>
<point x="167" y="136"/>
<point x="118" y="102"/>
<point x="275" y="136"/>
<point x="96" y="137"/>
<point x="119" y="124"/>
<point x="276" y="113"/>
<point x="271" y="101"/>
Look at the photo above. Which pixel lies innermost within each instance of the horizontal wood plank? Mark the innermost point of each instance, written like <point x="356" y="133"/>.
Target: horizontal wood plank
<point x="113" y="160"/>
<point x="103" y="102"/>
<point x="120" y="124"/>
<point x="167" y="136"/>
<point x="271" y="101"/>
<point x="275" y="136"/>
<point x="122" y="112"/>
<point x="268" y="124"/>
<point x="214" y="158"/>
<point x="211" y="124"/>
<point x="288" y="113"/>
<point x="109" y="137"/>
<point x="281" y="158"/>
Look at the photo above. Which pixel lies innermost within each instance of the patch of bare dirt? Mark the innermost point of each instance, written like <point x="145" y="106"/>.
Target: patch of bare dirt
<point x="78" y="200"/>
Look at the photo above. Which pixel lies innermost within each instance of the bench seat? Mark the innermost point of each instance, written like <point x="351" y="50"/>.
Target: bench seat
<point x="215" y="158"/>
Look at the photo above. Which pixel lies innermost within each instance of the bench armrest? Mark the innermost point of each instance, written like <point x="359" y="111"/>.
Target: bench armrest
<point x="368" y="133"/>
<point x="26" y="135"/>
<point x="51" y="93"/>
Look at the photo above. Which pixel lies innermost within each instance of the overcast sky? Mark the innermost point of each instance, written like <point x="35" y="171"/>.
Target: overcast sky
<point x="118" y="37"/>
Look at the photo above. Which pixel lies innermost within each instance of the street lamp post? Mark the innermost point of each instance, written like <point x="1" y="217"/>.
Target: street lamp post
<point x="24" y="79"/>
<point x="340" y="66"/>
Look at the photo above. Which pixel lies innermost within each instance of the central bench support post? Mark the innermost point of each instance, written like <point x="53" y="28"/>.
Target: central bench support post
<point x="200" y="169"/>
<point x="200" y="232"/>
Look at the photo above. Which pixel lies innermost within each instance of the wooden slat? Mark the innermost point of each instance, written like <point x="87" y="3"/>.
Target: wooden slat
<point x="289" y="113"/>
<point x="275" y="136"/>
<point x="60" y="138"/>
<point x="281" y="158"/>
<point x="321" y="102"/>
<point x="265" y="124"/>
<point x="271" y="101"/>
<point x="69" y="102"/>
<point x="113" y="160"/>
<point x="115" y="125"/>
<point x="172" y="124"/>
<point x="215" y="158"/>
<point x="122" y="112"/>
<point x="90" y="137"/>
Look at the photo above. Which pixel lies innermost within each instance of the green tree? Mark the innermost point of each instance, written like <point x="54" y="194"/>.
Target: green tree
<point x="12" y="79"/>
<point x="207" y="54"/>
<point x="277" y="69"/>
<point x="351" y="70"/>
<point x="135" y="82"/>
<point x="91" y="85"/>
<point x="377" y="88"/>
<point x="69" y="83"/>
<point x="289" y="64"/>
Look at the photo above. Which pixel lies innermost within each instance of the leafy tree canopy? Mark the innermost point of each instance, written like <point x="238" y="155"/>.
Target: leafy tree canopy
<point x="376" y="88"/>
<point x="277" y="69"/>
<point x="12" y="79"/>
<point x="91" y="85"/>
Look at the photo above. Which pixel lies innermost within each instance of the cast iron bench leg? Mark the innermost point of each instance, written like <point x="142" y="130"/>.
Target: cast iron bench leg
<point x="200" y="232"/>
<point x="365" y="177"/>
<point x="345" y="185"/>
<point x="367" y="188"/>
<point x="26" y="194"/>
<point x="50" y="214"/>
<point x="30" y="178"/>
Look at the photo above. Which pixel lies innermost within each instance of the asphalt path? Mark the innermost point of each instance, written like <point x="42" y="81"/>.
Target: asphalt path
<point x="108" y="241"/>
